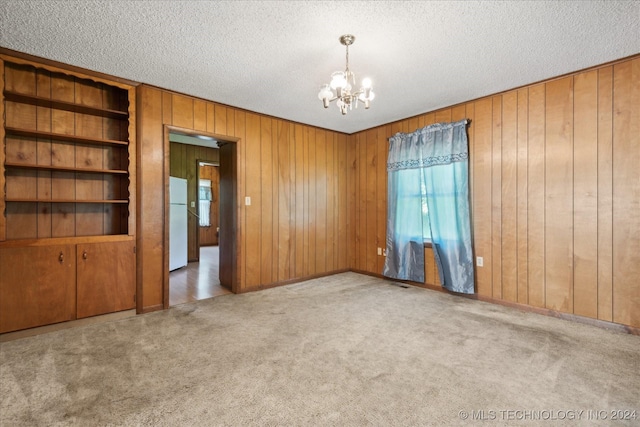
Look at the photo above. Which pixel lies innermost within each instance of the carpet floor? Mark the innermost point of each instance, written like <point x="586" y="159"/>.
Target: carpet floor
<point x="343" y="350"/>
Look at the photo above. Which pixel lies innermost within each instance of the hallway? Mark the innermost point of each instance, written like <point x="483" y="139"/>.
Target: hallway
<point x="198" y="280"/>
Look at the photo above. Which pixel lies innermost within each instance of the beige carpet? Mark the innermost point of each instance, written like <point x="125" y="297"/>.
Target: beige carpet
<point x="345" y="350"/>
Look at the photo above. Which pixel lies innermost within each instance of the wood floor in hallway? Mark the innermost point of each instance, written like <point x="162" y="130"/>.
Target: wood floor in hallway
<point x="198" y="280"/>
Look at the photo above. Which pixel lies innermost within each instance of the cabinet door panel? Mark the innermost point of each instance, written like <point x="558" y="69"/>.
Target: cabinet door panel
<point x="106" y="277"/>
<point x="37" y="286"/>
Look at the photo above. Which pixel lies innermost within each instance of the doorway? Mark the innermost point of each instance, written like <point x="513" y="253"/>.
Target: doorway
<point x="208" y="272"/>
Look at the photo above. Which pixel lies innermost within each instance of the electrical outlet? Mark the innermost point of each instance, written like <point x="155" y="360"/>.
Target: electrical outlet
<point x="479" y="261"/>
<point x="193" y="204"/>
<point x="379" y="251"/>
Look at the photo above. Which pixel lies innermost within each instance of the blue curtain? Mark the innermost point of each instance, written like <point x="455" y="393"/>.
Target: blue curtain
<point x="428" y="184"/>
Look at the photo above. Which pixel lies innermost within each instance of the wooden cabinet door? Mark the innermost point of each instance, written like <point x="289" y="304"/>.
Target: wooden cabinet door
<point x="37" y="286"/>
<point x="106" y="277"/>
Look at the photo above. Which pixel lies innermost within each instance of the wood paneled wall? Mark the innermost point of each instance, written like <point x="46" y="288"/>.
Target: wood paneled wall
<point x="209" y="235"/>
<point x="295" y="175"/>
<point x="183" y="163"/>
<point x="555" y="179"/>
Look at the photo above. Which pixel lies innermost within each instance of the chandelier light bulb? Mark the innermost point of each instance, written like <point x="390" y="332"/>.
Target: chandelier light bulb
<point x="340" y="87"/>
<point x="338" y="80"/>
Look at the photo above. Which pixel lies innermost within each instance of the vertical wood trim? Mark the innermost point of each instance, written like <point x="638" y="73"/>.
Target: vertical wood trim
<point x="370" y="204"/>
<point x="253" y="226"/>
<point x="299" y="201"/>
<point x="496" y="198"/>
<point x="133" y="162"/>
<point x="522" y="199"/>
<point x="200" y="115"/>
<point x="307" y="197"/>
<point x="332" y="215"/>
<point x="470" y="109"/>
<point x="381" y="197"/>
<point x="482" y="180"/>
<point x="3" y="219"/>
<point x="559" y="195"/>
<point x="362" y="203"/>
<point x="344" y="191"/>
<point x="275" y="206"/>
<point x="152" y="256"/>
<point x="240" y="128"/>
<point x="266" y="202"/>
<point x="509" y="197"/>
<point x="626" y="193"/>
<point x="284" y="197"/>
<point x="443" y="116"/>
<point x="320" y="247"/>
<point x="585" y="195"/>
<point x="220" y="124"/>
<point x="167" y="108"/>
<point x="605" y="193"/>
<point x="182" y="111"/>
<point x="292" y="201"/>
<point x="458" y="113"/>
<point x="536" y="196"/>
<point x="352" y="200"/>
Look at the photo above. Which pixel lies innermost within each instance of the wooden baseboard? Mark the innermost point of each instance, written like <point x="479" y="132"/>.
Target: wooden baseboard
<point x="617" y="327"/>
<point x="150" y="308"/>
<point x="10" y="336"/>
<point x="291" y="281"/>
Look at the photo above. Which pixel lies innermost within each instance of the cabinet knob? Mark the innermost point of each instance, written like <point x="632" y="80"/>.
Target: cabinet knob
<point x="84" y="255"/>
<point x="61" y="257"/>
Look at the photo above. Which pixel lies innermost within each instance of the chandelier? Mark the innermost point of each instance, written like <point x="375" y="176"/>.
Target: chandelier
<point x="340" y="88"/>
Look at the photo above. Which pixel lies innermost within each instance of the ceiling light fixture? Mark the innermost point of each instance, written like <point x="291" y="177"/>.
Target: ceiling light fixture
<point x="340" y="87"/>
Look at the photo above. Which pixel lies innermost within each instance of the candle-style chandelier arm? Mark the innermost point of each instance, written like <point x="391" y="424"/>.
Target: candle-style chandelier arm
<point x="340" y="87"/>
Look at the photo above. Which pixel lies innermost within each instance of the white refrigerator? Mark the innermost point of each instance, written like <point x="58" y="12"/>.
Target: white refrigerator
<point x="177" y="223"/>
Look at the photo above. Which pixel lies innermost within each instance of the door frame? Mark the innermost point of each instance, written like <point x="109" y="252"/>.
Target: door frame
<point x="232" y="246"/>
<point x="198" y="166"/>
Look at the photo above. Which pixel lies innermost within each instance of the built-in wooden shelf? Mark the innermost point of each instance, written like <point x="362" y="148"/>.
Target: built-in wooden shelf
<point x="63" y="105"/>
<point x="65" y="168"/>
<point x="63" y="137"/>
<point x="20" y="200"/>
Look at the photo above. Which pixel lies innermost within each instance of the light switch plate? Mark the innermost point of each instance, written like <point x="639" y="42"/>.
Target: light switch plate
<point x="247" y="201"/>
<point x="479" y="261"/>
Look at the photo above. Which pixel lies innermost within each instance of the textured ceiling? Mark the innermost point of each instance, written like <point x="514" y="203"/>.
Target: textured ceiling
<point x="272" y="56"/>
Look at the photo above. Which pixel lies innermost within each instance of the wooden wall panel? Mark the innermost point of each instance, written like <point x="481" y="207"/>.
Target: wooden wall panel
<point x="370" y="224"/>
<point x="522" y="196"/>
<point x="382" y="149"/>
<point x="535" y="196"/>
<point x="496" y="198"/>
<point x="298" y="265"/>
<point x="321" y="199"/>
<point x="266" y="202"/>
<point x="585" y="194"/>
<point x="509" y="197"/>
<point x="537" y="182"/>
<point x="555" y="178"/>
<point x="209" y="235"/>
<point x="253" y="219"/>
<point x="151" y="219"/>
<point x="626" y="193"/>
<point x="605" y="193"/>
<point x="292" y="174"/>
<point x="559" y="195"/>
<point x="482" y="182"/>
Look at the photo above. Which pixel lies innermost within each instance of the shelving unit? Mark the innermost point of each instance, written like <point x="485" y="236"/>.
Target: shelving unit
<point x="67" y="194"/>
